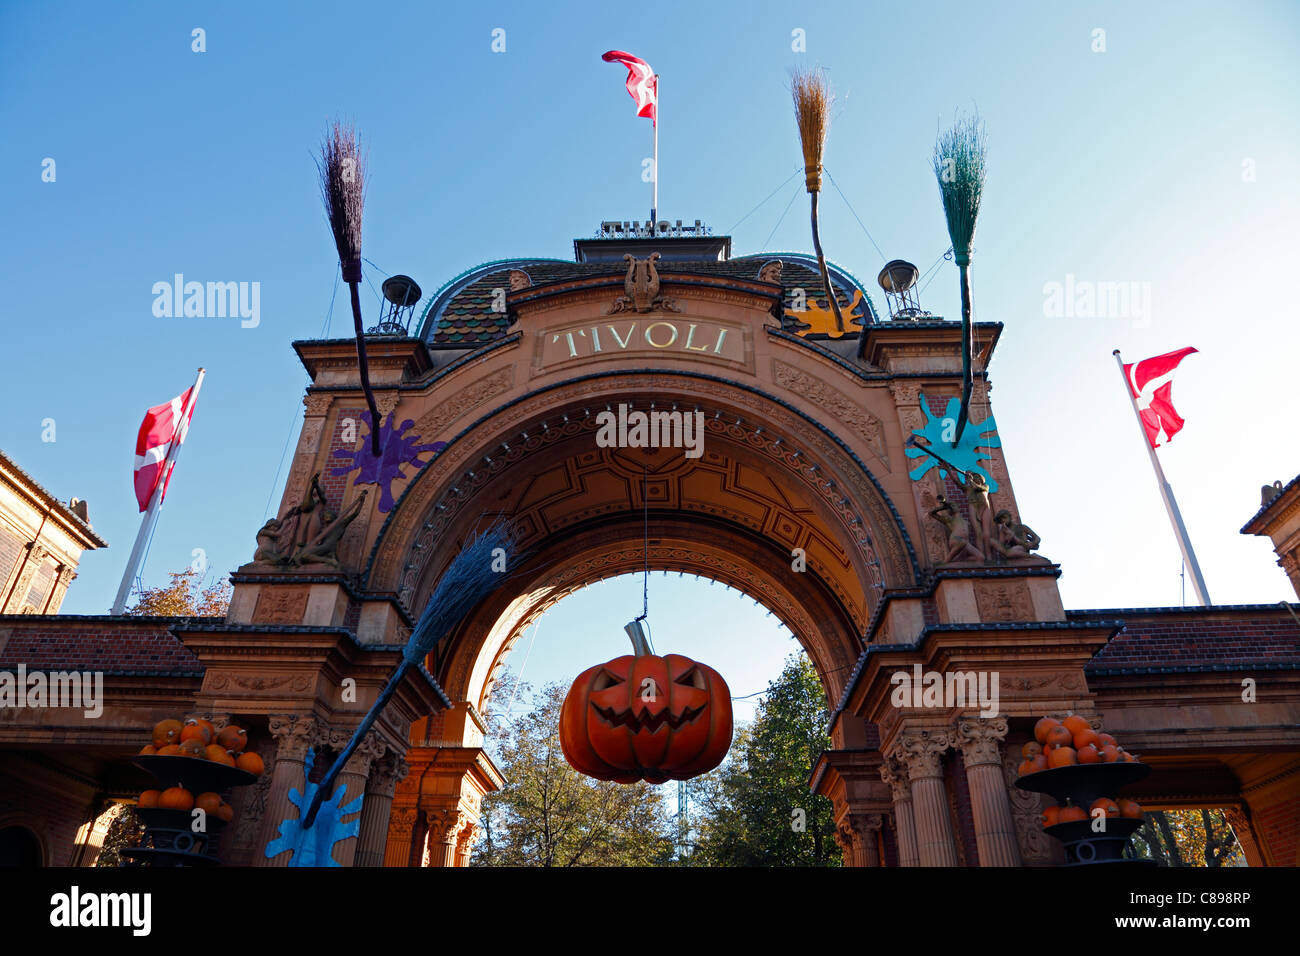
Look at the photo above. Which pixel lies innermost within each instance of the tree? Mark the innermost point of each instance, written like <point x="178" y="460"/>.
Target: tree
<point x="756" y="809"/>
<point x="184" y="597"/>
<point x="1188" y="838"/>
<point x="548" y="814"/>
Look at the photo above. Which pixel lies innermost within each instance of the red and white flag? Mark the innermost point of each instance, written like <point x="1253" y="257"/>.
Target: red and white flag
<point x="1151" y="383"/>
<point x="641" y="82"/>
<point x="162" y="425"/>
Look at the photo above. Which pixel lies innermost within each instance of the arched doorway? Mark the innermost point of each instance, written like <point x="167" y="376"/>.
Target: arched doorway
<point x="20" y="847"/>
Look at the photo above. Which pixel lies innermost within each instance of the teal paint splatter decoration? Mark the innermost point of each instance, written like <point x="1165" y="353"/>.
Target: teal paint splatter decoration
<point x="314" y="846"/>
<point x="940" y="430"/>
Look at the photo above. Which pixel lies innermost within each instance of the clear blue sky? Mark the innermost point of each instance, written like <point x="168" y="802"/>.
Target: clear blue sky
<point x="1123" y="165"/>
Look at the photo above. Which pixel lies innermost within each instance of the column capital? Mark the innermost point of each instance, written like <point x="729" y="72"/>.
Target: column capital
<point x="980" y="739"/>
<point x="865" y="823"/>
<point x="894" y="773"/>
<point x="386" y="772"/>
<point x="921" y="752"/>
<point x="445" y="824"/>
<point x="401" y="819"/>
<point x="295" y="734"/>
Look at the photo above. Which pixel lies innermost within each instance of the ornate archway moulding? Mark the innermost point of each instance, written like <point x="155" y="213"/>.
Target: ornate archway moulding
<point x="464" y="459"/>
<point x="472" y="657"/>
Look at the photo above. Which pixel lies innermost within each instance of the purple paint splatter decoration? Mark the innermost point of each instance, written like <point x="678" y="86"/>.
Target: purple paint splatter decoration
<point x="396" y="450"/>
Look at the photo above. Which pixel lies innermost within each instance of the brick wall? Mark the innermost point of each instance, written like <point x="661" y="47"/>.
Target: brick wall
<point x="1279" y="827"/>
<point x="1185" y="639"/>
<point x="336" y="486"/>
<point x="93" y="643"/>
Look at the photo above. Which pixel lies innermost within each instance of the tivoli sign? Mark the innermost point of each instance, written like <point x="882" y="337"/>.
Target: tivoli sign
<point x="630" y="336"/>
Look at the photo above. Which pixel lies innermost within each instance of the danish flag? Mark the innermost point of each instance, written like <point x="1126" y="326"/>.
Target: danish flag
<point x="162" y="425"/>
<point x="1151" y="383"/>
<point x="641" y="82"/>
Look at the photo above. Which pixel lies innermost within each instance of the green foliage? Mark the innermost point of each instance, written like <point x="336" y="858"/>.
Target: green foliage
<point x="184" y="597"/>
<point x="1188" y="838"/>
<point x="124" y="831"/>
<point x="548" y="814"/>
<point x="748" y="807"/>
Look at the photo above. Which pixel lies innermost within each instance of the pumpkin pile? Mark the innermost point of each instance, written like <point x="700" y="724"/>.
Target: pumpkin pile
<point x="1063" y="743"/>
<point x="199" y="738"/>
<point x="1128" y="809"/>
<point x="178" y="798"/>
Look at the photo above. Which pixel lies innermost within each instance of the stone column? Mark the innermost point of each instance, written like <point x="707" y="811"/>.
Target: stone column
<point x="294" y="735"/>
<point x="62" y="582"/>
<point x="401" y="836"/>
<point x="469" y="835"/>
<point x="921" y="752"/>
<point x="980" y="740"/>
<point x="376" y="814"/>
<point x="866" y="837"/>
<point x="353" y="778"/>
<point x="444" y="831"/>
<point x="895" y="774"/>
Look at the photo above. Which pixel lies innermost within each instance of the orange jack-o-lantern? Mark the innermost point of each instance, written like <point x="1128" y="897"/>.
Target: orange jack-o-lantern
<point x="646" y="717"/>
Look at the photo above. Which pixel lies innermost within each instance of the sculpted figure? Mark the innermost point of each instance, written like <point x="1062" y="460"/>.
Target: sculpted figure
<point x="977" y="496"/>
<point x="1013" y="539"/>
<point x="268" y="538"/>
<point x="322" y="547"/>
<point x="959" y="543"/>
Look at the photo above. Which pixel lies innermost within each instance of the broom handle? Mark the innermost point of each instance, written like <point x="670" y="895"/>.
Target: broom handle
<point x="358" y="735"/>
<point x="365" y="370"/>
<point x="966" y="347"/>
<point x="821" y="263"/>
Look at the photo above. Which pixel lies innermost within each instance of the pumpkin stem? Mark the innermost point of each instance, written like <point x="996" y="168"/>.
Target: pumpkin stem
<point x="636" y="633"/>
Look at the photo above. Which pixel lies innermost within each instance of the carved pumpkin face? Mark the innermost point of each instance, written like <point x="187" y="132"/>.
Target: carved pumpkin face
<point x="646" y="718"/>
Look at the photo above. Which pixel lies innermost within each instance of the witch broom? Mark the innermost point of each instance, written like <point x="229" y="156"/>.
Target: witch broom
<point x="959" y="166"/>
<point x="342" y="185"/>
<point x="812" y="106"/>
<point x="468" y="580"/>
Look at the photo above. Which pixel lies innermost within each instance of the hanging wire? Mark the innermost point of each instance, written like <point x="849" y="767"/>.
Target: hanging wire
<point x="732" y="230"/>
<point x="519" y="678"/>
<point x="853" y="211"/>
<point x="942" y="257"/>
<point x="793" y="196"/>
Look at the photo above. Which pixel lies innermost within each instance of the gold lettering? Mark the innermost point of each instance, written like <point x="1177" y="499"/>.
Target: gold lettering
<point x="690" y="335"/>
<point x="655" y="344"/>
<point x="622" y="343"/>
<point x="595" y="339"/>
<point x="722" y="334"/>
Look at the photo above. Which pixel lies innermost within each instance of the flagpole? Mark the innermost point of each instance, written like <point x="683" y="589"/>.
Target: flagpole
<point x="155" y="500"/>
<point x="1167" y="493"/>
<point x="654" y="201"/>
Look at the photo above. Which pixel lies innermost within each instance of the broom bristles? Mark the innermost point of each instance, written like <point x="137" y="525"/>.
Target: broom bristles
<point x="343" y="187"/>
<point x="959" y="155"/>
<point x="812" y="112"/>
<point x="469" y="578"/>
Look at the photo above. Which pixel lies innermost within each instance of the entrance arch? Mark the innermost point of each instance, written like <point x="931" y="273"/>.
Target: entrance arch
<point x="775" y="506"/>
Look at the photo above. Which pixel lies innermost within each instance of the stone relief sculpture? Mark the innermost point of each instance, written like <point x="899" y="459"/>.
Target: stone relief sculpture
<point x="308" y="533"/>
<point x="641" y="285"/>
<point x="1011" y="539"/>
<point x="958" y="529"/>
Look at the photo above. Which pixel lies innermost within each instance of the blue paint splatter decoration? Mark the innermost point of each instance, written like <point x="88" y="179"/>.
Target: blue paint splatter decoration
<point x="939" y="431"/>
<point x="396" y="450"/>
<point x="315" y="846"/>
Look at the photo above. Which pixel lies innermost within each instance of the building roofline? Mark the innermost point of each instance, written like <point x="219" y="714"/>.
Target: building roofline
<point x="69" y="518"/>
